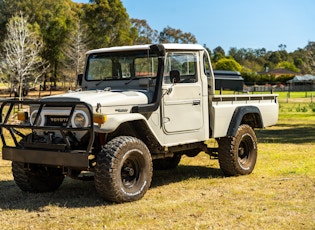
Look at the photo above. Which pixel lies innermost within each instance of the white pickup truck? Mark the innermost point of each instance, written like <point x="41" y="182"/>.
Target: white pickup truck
<point x="139" y="107"/>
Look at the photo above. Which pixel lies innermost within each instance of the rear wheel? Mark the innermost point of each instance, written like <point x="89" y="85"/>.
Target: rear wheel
<point x="238" y="154"/>
<point x="36" y="178"/>
<point x="123" y="170"/>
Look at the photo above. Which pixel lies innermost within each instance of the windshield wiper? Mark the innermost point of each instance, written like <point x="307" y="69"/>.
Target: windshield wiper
<point x="100" y="82"/>
<point x="114" y="78"/>
<point x="130" y="80"/>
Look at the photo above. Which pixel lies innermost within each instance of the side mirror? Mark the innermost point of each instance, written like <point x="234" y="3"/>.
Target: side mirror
<point x="79" y="79"/>
<point x="174" y="76"/>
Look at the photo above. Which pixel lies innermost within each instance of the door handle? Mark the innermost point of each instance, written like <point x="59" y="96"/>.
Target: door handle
<point x="196" y="102"/>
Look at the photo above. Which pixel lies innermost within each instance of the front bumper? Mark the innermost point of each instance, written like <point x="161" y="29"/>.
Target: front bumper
<point x="20" y="144"/>
<point x="73" y="159"/>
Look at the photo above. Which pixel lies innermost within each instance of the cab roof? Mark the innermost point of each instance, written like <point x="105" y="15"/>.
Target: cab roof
<point x="167" y="46"/>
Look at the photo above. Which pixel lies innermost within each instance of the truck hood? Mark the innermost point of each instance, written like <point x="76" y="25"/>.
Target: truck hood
<point x="105" y="98"/>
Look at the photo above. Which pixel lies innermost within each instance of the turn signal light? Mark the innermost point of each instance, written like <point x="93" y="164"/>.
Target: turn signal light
<point x="22" y="116"/>
<point x="99" y="118"/>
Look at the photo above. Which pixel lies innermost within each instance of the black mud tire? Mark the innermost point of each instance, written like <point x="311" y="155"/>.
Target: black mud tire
<point x="36" y="178"/>
<point x="238" y="154"/>
<point x="123" y="171"/>
<point x="167" y="163"/>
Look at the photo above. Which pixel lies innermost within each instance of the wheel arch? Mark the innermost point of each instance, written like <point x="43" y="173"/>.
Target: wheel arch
<point x="131" y="125"/>
<point x="249" y="115"/>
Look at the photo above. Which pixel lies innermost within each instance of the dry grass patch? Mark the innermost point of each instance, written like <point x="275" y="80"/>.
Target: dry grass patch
<point x="194" y="196"/>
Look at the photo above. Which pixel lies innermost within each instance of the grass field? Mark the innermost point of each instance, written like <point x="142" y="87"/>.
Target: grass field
<point x="279" y="194"/>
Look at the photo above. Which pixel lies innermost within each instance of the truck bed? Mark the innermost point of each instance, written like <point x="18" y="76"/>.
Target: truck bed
<point x="222" y="107"/>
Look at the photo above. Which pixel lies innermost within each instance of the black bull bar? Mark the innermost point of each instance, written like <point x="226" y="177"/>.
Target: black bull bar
<point x="62" y="153"/>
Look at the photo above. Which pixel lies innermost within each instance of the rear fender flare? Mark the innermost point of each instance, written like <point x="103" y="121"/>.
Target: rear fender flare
<point x="238" y="116"/>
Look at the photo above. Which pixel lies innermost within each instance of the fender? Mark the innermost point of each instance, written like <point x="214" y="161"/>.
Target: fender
<point x="238" y="115"/>
<point x="114" y="121"/>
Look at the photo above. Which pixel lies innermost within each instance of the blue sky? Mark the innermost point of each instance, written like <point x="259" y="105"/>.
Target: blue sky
<point x="230" y="23"/>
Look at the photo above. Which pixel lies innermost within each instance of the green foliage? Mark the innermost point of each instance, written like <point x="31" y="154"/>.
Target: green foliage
<point x="296" y="107"/>
<point x="143" y="34"/>
<point x="284" y="78"/>
<point x="302" y="108"/>
<point x="108" y="24"/>
<point x="218" y="53"/>
<point x="251" y="78"/>
<point x="228" y="64"/>
<point x="251" y="66"/>
<point x="55" y="19"/>
<point x="288" y="65"/>
<point x="310" y="57"/>
<point x="171" y="35"/>
<point x="257" y="60"/>
<point x="312" y="106"/>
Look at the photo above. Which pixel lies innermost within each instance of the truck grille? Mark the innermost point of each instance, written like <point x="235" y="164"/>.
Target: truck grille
<point x="53" y="120"/>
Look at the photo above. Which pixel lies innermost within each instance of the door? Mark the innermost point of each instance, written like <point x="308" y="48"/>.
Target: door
<point x="182" y="100"/>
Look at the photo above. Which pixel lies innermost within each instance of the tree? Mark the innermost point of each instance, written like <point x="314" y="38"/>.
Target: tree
<point x="55" y="19"/>
<point x="108" y="23"/>
<point x="274" y="57"/>
<point x="260" y="52"/>
<point x="76" y="49"/>
<point x="310" y="57"/>
<point x="22" y="48"/>
<point x="218" y="53"/>
<point x="282" y="46"/>
<point x="238" y="54"/>
<point x="228" y="64"/>
<point x="7" y="10"/>
<point x="209" y="51"/>
<point x="288" y="65"/>
<point x="145" y="35"/>
<point x="171" y="35"/>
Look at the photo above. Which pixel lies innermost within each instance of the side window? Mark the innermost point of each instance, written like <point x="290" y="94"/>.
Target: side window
<point x="180" y="68"/>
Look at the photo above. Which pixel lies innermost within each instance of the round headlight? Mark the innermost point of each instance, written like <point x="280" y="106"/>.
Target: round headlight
<point x="79" y="119"/>
<point x="33" y="117"/>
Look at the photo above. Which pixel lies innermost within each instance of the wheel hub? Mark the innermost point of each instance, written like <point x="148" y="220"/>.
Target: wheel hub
<point x="130" y="171"/>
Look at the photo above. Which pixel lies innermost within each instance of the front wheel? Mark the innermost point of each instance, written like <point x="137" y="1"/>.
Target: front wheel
<point x="36" y="178"/>
<point x="238" y="154"/>
<point x="123" y="170"/>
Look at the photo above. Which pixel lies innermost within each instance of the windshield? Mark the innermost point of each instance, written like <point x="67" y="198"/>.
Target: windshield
<point x="121" y="66"/>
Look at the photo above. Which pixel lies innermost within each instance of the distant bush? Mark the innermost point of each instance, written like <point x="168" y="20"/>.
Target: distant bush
<point x="228" y="64"/>
<point x="304" y="109"/>
<point x="298" y="109"/>
<point x="312" y="106"/>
